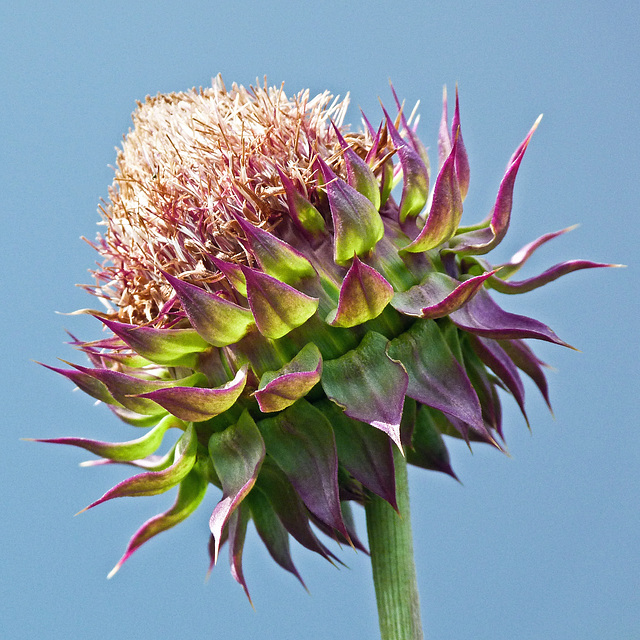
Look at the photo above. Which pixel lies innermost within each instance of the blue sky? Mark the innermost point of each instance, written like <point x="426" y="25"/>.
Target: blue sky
<point x="542" y="544"/>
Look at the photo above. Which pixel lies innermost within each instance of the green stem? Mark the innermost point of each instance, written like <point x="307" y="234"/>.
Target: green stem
<point x="394" y="571"/>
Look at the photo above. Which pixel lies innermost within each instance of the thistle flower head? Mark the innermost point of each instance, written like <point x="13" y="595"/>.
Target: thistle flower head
<point x="194" y="164"/>
<point x="295" y="300"/>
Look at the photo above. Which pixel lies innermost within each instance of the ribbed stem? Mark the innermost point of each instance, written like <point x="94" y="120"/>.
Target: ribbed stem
<point x="394" y="572"/>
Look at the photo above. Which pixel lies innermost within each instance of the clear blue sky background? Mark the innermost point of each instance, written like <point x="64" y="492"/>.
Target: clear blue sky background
<point x="541" y="545"/>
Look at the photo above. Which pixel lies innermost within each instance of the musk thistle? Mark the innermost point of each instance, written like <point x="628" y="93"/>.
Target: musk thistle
<point x="296" y="302"/>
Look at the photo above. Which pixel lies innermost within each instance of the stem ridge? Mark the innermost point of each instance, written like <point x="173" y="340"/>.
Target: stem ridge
<point x="392" y="561"/>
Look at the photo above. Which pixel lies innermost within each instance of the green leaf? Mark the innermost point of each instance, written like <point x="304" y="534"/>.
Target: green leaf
<point x="445" y="210"/>
<point x="364" y="452"/>
<point x="438" y="295"/>
<point x="277" y="307"/>
<point x="86" y="382"/>
<point x="280" y="389"/>
<point x="302" y="211"/>
<point x="272" y="531"/>
<point x="359" y="173"/>
<point x="363" y="296"/>
<point x="233" y="273"/>
<point x="237" y="533"/>
<point x="357" y="225"/>
<point x="369" y="385"/>
<point x="194" y="404"/>
<point x="154" y="482"/>
<point x="190" y="494"/>
<point x="126" y="389"/>
<point x="428" y="449"/>
<point x="415" y="174"/>
<point x="236" y="454"/>
<point x="289" y="508"/>
<point x="124" y="451"/>
<point x="276" y="257"/>
<point x="436" y="378"/>
<point x="179" y="347"/>
<point x="217" y="320"/>
<point x="300" y="440"/>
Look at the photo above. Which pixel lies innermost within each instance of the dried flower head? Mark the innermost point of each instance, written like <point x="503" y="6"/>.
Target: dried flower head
<point x="271" y="299"/>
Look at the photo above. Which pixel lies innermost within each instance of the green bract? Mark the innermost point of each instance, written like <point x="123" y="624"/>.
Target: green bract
<point x="269" y="299"/>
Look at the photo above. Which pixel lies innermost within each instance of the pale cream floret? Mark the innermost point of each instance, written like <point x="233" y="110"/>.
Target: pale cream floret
<point x="191" y="160"/>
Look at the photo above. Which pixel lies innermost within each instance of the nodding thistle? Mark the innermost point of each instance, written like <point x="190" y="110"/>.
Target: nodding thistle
<point x="296" y="302"/>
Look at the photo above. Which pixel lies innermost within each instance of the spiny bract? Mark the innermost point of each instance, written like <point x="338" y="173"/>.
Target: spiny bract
<point x="271" y="301"/>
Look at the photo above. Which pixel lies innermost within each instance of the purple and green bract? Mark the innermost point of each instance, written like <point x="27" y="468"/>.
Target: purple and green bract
<point x="294" y="300"/>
